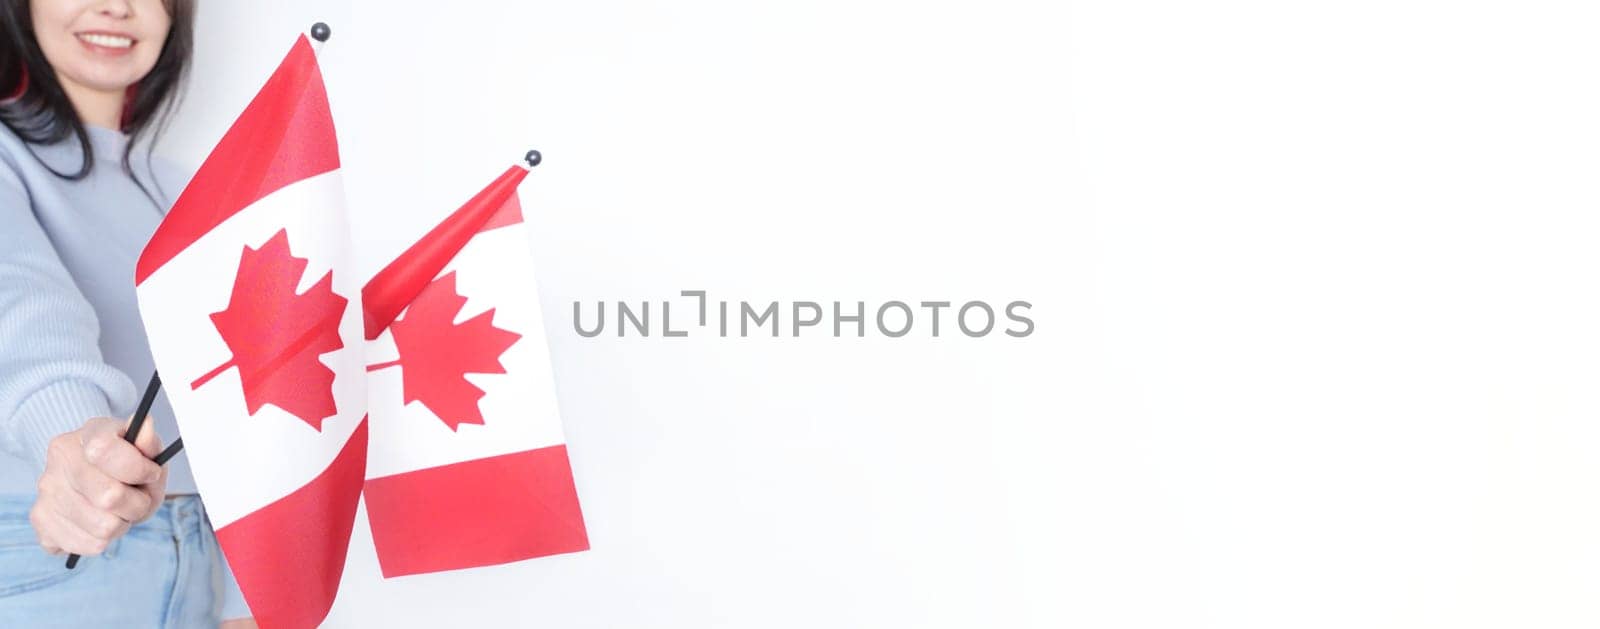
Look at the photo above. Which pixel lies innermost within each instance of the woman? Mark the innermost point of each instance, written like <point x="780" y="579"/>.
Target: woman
<point x="83" y="83"/>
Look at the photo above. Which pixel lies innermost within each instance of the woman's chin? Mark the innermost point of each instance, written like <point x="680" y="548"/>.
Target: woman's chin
<point x="107" y="80"/>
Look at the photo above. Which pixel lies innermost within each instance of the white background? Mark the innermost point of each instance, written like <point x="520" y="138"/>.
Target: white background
<point x="1318" y="335"/>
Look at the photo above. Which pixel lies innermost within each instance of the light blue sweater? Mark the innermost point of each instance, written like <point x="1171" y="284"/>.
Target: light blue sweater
<point x="72" y="346"/>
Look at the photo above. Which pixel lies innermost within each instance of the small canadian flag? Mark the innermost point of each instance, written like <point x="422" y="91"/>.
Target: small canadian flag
<point x="467" y="464"/>
<point x="254" y="318"/>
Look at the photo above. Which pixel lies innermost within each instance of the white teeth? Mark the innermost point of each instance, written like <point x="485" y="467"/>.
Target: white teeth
<point x="109" y="41"/>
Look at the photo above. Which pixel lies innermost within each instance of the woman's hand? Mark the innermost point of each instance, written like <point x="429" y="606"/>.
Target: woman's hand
<point x="239" y="623"/>
<point x="95" y="485"/>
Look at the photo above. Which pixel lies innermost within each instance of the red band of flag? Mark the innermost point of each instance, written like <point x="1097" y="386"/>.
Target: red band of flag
<point x="285" y="135"/>
<point x="492" y="510"/>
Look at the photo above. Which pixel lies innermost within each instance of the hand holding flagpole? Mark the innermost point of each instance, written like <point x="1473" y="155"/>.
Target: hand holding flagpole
<point x="132" y="435"/>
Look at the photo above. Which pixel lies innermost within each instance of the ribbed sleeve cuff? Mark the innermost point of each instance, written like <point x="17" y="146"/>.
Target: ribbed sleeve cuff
<point x="57" y="408"/>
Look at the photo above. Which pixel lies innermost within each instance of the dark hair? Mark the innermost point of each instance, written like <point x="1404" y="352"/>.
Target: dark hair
<point x="43" y="114"/>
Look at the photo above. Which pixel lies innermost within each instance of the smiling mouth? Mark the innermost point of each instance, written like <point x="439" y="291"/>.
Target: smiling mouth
<point x="106" y="40"/>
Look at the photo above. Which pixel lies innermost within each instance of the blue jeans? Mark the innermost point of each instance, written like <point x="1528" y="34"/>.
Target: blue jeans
<point x="166" y="572"/>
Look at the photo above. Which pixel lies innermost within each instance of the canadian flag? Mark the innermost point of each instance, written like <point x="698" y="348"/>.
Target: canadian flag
<point x="467" y="464"/>
<point x="254" y="317"/>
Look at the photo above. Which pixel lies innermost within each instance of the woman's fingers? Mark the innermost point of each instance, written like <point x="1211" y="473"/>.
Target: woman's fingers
<point x="102" y="526"/>
<point x="110" y="495"/>
<point x="154" y="493"/>
<point x="104" y="448"/>
<point x="64" y="520"/>
<point x="148" y="441"/>
<point x="43" y="527"/>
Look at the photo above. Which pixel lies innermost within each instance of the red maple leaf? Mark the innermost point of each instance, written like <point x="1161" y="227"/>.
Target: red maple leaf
<point x="277" y="335"/>
<point x="436" y="354"/>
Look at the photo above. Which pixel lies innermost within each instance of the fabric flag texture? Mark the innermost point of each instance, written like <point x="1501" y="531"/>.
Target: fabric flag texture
<point x="467" y="464"/>
<point x="255" y="321"/>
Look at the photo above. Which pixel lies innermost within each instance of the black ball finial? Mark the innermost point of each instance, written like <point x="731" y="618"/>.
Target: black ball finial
<point x="320" y="31"/>
<point x="533" y="158"/>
